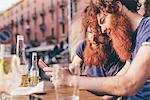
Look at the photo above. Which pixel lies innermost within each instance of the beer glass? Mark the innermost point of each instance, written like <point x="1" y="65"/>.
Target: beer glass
<point x="64" y="92"/>
<point x="10" y="76"/>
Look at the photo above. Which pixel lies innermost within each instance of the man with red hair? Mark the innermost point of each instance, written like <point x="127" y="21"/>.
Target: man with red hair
<point x="130" y="35"/>
<point x="96" y="51"/>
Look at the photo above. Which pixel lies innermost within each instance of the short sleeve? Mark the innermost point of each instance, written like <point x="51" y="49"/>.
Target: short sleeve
<point x="144" y="33"/>
<point x="80" y="49"/>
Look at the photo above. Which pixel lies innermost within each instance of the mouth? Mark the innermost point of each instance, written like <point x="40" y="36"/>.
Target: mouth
<point x="97" y="43"/>
<point x="107" y="31"/>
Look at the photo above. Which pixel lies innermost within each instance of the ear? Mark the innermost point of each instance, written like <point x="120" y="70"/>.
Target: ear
<point x="119" y="5"/>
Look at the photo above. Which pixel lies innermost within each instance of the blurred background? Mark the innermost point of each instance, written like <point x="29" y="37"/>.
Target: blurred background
<point x="52" y="28"/>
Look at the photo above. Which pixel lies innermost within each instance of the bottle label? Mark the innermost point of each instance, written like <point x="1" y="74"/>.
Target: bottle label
<point x="34" y="78"/>
<point x="34" y="73"/>
<point x="24" y="69"/>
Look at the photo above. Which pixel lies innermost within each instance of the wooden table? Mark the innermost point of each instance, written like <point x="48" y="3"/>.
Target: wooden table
<point x="50" y="95"/>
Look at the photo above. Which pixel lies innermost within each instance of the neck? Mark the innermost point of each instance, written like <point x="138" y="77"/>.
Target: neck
<point x="134" y="19"/>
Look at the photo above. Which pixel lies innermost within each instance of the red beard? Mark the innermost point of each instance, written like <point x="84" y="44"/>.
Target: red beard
<point x="121" y="36"/>
<point x="96" y="56"/>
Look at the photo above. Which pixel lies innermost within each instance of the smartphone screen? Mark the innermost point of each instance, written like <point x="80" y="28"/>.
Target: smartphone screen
<point x="42" y="64"/>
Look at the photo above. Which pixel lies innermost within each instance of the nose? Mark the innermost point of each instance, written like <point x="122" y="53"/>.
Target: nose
<point x="103" y="29"/>
<point x="92" y="37"/>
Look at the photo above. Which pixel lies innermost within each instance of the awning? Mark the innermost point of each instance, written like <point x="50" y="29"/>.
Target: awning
<point x="41" y="48"/>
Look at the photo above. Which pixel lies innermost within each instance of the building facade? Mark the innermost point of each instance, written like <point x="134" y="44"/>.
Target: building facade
<point x="37" y="20"/>
<point x="50" y="21"/>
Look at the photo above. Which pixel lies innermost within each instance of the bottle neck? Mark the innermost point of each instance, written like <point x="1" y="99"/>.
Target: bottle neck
<point x="34" y="60"/>
<point x="22" y="57"/>
<point x="34" y="63"/>
<point x="20" y="46"/>
<point x="20" y="51"/>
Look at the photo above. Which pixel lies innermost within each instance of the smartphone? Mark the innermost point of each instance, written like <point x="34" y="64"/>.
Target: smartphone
<point x="42" y="64"/>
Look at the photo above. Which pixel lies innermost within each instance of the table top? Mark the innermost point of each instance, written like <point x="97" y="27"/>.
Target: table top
<point x="50" y="95"/>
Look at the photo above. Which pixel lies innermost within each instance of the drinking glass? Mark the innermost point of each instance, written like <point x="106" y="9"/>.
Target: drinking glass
<point x="64" y="92"/>
<point x="10" y="76"/>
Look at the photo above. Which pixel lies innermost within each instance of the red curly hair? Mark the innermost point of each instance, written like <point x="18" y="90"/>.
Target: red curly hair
<point x="99" y="55"/>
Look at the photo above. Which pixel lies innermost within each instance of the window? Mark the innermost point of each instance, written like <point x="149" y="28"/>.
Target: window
<point x="75" y="6"/>
<point x="21" y="7"/>
<point x="63" y="12"/>
<point x="34" y="1"/>
<point x="63" y="28"/>
<point x="28" y="4"/>
<point x="52" y="16"/>
<point x="52" y="31"/>
<point x="11" y="13"/>
<point x="16" y="11"/>
<point x="51" y="9"/>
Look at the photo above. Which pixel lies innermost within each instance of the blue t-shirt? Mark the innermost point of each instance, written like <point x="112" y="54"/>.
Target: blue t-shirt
<point x="111" y="68"/>
<point x="142" y="35"/>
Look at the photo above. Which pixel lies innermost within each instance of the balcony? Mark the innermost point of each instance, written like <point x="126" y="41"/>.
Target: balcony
<point x="42" y="12"/>
<point x="62" y="4"/>
<point x="16" y="24"/>
<point x="51" y="9"/>
<point x="28" y="20"/>
<point x="51" y="39"/>
<point x="28" y="31"/>
<point x="34" y="16"/>
<point x="75" y="0"/>
<point x="42" y="27"/>
<point x="61" y="20"/>
<point x="12" y="24"/>
<point x="21" y="20"/>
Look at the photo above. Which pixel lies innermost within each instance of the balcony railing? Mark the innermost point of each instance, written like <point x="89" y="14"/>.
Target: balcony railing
<point x="61" y="20"/>
<point x="34" y="16"/>
<point x="28" y="20"/>
<point x="16" y="24"/>
<point x="51" y="9"/>
<point x="42" y="12"/>
<point x="21" y="20"/>
<point x="42" y="27"/>
<point x="62" y="4"/>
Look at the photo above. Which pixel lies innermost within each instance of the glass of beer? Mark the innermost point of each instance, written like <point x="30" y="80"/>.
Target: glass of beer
<point x="10" y="76"/>
<point x="65" y="92"/>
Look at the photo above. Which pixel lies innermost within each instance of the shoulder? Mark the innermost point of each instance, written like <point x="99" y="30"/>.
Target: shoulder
<point x="143" y="32"/>
<point x="144" y="22"/>
<point x="80" y="48"/>
<point x="82" y="45"/>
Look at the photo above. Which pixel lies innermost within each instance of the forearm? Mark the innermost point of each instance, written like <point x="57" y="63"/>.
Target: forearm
<point x="117" y="86"/>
